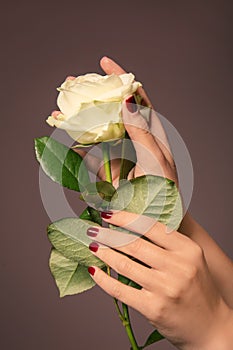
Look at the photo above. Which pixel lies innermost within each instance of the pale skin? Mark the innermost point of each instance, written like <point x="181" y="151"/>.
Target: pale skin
<point x="187" y="284"/>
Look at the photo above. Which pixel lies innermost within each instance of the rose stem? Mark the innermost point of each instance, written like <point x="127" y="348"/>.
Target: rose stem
<point x="125" y="316"/>
<point x="107" y="162"/>
<point x="128" y="327"/>
<point x="126" y="323"/>
<point x="108" y="175"/>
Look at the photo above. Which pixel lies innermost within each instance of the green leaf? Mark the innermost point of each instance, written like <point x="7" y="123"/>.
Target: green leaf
<point x="150" y="195"/>
<point x="71" y="257"/>
<point x="70" y="276"/>
<point x="61" y="163"/>
<point x="96" y="193"/>
<point x="69" y="237"/>
<point x="127" y="281"/>
<point x="153" y="338"/>
<point x="91" y="214"/>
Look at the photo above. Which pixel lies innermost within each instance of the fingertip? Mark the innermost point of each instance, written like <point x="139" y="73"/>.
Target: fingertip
<point x="104" y="59"/>
<point x="110" y="66"/>
<point x="70" y="77"/>
<point x="106" y="215"/>
<point x="91" y="270"/>
<point x="55" y="113"/>
<point x="104" y="63"/>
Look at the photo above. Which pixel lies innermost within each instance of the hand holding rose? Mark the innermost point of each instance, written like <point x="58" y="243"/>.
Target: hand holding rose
<point x="178" y="295"/>
<point x="184" y="277"/>
<point x="184" y="298"/>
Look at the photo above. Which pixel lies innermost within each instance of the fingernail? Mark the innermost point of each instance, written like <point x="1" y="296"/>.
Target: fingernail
<point x="92" y="231"/>
<point x="55" y="113"/>
<point x="106" y="214"/>
<point x="91" y="270"/>
<point x="131" y="104"/>
<point x="94" y="247"/>
<point x="70" y="77"/>
<point x="104" y="58"/>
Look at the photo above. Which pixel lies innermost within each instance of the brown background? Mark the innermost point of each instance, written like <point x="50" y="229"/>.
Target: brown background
<point x="182" y="52"/>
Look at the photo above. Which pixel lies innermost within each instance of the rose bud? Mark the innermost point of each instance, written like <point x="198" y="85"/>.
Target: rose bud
<point x="91" y="107"/>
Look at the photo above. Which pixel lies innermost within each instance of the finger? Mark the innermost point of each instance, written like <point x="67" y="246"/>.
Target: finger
<point x="118" y="290"/>
<point x="70" y="77"/>
<point x="93" y="163"/>
<point x="111" y="67"/>
<point x="147" y="252"/>
<point x="156" y="129"/>
<point x="55" y="113"/>
<point x="144" y="276"/>
<point x="150" y="158"/>
<point x="147" y="226"/>
<point x="96" y="166"/>
<point x="159" y="133"/>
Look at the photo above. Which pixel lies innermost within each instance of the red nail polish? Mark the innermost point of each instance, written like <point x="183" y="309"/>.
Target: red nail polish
<point x="91" y="270"/>
<point x="94" y="247"/>
<point x="131" y="104"/>
<point x="92" y="231"/>
<point x="106" y="214"/>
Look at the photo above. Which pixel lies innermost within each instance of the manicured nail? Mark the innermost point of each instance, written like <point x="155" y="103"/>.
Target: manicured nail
<point x="92" y="231"/>
<point x="106" y="214"/>
<point x="94" y="247"/>
<point x="91" y="270"/>
<point x="131" y="104"/>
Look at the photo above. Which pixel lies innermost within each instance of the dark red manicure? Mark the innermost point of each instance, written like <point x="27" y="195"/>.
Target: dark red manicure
<point x="91" y="270"/>
<point x="131" y="104"/>
<point x="106" y="214"/>
<point x="92" y="231"/>
<point x="94" y="247"/>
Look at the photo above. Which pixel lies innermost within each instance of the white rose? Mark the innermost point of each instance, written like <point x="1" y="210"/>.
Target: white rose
<point x="91" y="106"/>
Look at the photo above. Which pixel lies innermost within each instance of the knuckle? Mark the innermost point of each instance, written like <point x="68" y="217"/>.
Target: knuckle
<point x="159" y="312"/>
<point x="124" y="266"/>
<point x="191" y="272"/>
<point x="155" y="311"/>
<point x="116" y="291"/>
<point x="174" y="293"/>
<point x="197" y="254"/>
<point x="135" y="246"/>
<point x="152" y="229"/>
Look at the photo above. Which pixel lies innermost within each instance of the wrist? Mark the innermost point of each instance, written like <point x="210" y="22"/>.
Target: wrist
<point x="188" y="225"/>
<point x="219" y="335"/>
<point x="215" y="335"/>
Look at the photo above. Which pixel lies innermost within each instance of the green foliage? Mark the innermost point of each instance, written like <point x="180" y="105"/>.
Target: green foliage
<point x="127" y="281"/>
<point x="153" y="338"/>
<point x="71" y="257"/>
<point x="61" y="163"/>
<point x="97" y="193"/>
<point x="70" y="276"/>
<point x="150" y="195"/>
<point x="91" y="214"/>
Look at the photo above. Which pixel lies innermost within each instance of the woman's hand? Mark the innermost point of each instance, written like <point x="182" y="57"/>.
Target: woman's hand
<point x="149" y="139"/>
<point x="178" y="295"/>
<point x="220" y="266"/>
